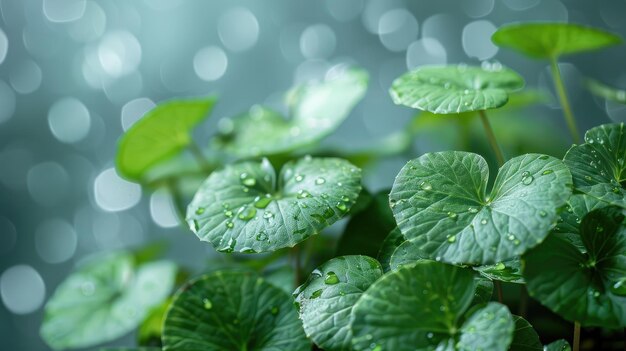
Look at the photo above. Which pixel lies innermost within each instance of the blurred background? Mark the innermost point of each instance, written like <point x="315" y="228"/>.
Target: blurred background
<point x="74" y="74"/>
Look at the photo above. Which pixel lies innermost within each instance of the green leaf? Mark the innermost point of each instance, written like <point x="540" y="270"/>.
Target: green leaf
<point x="282" y="278"/>
<point x="408" y="252"/>
<point x="440" y="202"/>
<point x="484" y="291"/>
<point x="244" y="208"/>
<point x="132" y="349"/>
<point x="507" y="271"/>
<point x="559" y="345"/>
<point x="104" y="299"/>
<point x="367" y="230"/>
<point x="388" y="247"/>
<point x="151" y="327"/>
<point x="598" y="167"/>
<point x="586" y="286"/>
<point x="606" y="92"/>
<point x="551" y="40"/>
<point x="455" y="89"/>
<point x="525" y="338"/>
<point x="316" y="110"/>
<point x="326" y="299"/>
<point x="420" y="307"/>
<point x="160" y="135"/>
<point x="230" y="310"/>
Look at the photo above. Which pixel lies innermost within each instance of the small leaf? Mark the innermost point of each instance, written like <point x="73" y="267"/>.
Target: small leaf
<point x="559" y="345"/>
<point x="388" y="247"/>
<point x="507" y="271"/>
<point x="606" y="92"/>
<point x="244" y="208"/>
<point x="455" y="89"/>
<point x="586" y="286"/>
<point x="484" y="291"/>
<point x="419" y="307"/>
<point x="106" y="298"/>
<point x="160" y="135"/>
<point x="326" y="299"/>
<point x="151" y="327"/>
<point x="598" y="167"/>
<point x="316" y="111"/>
<point x="440" y="203"/>
<point x="525" y="338"/>
<point x="551" y="40"/>
<point x="230" y="310"/>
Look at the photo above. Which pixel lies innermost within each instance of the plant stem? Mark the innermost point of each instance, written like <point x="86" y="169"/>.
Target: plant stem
<point x="199" y="156"/>
<point x="499" y="291"/>
<point x="295" y="253"/>
<point x="576" y="343"/>
<point x="565" y="105"/>
<point x="491" y="137"/>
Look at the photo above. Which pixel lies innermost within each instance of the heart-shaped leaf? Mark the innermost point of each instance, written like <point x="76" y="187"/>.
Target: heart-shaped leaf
<point x="586" y="286"/>
<point x="598" y="167"/>
<point x="551" y="40"/>
<point x="455" y="89"/>
<point x="326" y="299"/>
<point x="316" y="110"/>
<point x="420" y="307"/>
<point x="244" y="208"/>
<point x="160" y="135"/>
<point x="440" y="202"/>
<point x="230" y="310"/>
<point x="606" y="92"/>
<point x="106" y="298"/>
<point x="525" y="338"/>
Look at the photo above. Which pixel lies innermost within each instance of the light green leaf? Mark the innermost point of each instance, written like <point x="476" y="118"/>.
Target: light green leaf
<point x="440" y="202"/>
<point x="151" y="327"/>
<point x="388" y="247"/>
<point x="106" y="298"/>
<point x="455" y="89"/>
<point x="160" y="135"/>
<point x="586" y="286"/>
<point x="316" y="111"/>
<point x="598" y="167"/>
<point x="244" y="208"/>
<point x="420" y="307"/>
<point x="507" y="271"/>
<point x="606" y="92"/>
<point x="551" y="40"/>
<point x="525" y="338"/>
<point x="559" y="345"/>
<point x="232" y="311"/>
<point x="326" y="299"/>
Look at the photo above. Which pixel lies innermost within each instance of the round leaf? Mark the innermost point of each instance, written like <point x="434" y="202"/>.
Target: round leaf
<point x="440" y="202"/>
<point x="387" y="248"/>
<point x="455" y="89"/>
<point x="159" y="135"/>
<point x="525" y="338"/>
<point x="598" y="167"/>
<point x="106" y="298"/>
<point x="420" y="307"/>
<point x="241" y="208"/>
<point x="316" y="111"/>
<point x="586" y="286"/>
<point x="232" y="311"/>
<point x="326" y="299"/>
<point x="550" y="40"/>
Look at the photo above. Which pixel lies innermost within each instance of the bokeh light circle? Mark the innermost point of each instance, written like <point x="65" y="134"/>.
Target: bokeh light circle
<point x="69" y="120"/>
<point x="210" y="63"/>
<point x="22" y="289"/>
<point x="112" y="193"/>
<point x="238" y="29"/>
<point x="55" y="241"/>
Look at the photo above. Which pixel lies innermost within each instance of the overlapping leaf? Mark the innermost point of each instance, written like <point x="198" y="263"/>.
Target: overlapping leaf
<point x="455" y="89"/>
<point x="441" y="204"/>
<point x="245" y="208"/>
<point x="232" y="311"/>
<point x="326" y="299"/>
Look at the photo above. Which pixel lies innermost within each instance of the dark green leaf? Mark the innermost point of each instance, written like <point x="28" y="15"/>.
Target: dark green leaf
<point x="244" y="208"/>
<point x="551" y="40"/>
<point x="106" y="298"/>
<point x="419" y="307"/>
<point x="559" y="345"/>
<point x="132" y="349"/>
<point x="316" y="111"/>
<point x="326" y="299"/>
<point x="484" y="291"/>
<point x="160" y="135"/>
<point x="440" y="203"/>
<point x="586" y="286"/>
<point x="455" y="89"/>
<point x="525" y="338"/>
<point x="507" y="271"/>
<point x="388" y="247"/>
<point x="232" y="311"/>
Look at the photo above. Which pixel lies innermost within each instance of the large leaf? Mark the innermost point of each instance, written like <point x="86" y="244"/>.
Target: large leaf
<point x="160" y="135"/>
<point x="455" y="89"/>
<point x="550" y="40"/>
<point x="525" y="338"/>
<point x="586" y="286"/>
<point x="326" y="299"/>
<point x="232" y="310"/>
<point x="420" y="307"/>
<point x="598" y="167"/>
<point x="244" y="208"/>
<point x="106" y="298"/>
<point x="316" y="111"/>
<point x="440" y="202"/>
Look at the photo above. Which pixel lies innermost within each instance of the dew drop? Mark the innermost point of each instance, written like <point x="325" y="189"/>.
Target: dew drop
<point x="229" y="224"/>
<point x="228" y="213"/>
<point x="320" y="181"/>
<point x="543" y="213"/>
<point x="303" y="194"/>
<point x="261" y="236"/>
<point x="262" y="201"/>
<point x="527" y="180"/>
<point x="299" y="178"/>
<point x="544" y="157"/>
<point x="619" y="287"/>
<point x="483" y="221"/>
<point x="472" y="210"/>
<point x="344" y="198"/>
<point x="316" y="294"/>
<point x="452" y="215"/>
<point x="426" y="186"/>
<point x="274" y="310"/>
<point x="268" y="215"/>
<point x="207" y="304"/>
<point x="247" y="180"/>
<point x="499" y="266"/>
<point x="247" y="214"/>
<point x="547" y="171"/>
<point x="331" y="278"/>
<point x="341" y="206"/>
<point x="451" y="238"/>
<point x="200" y="210"/>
